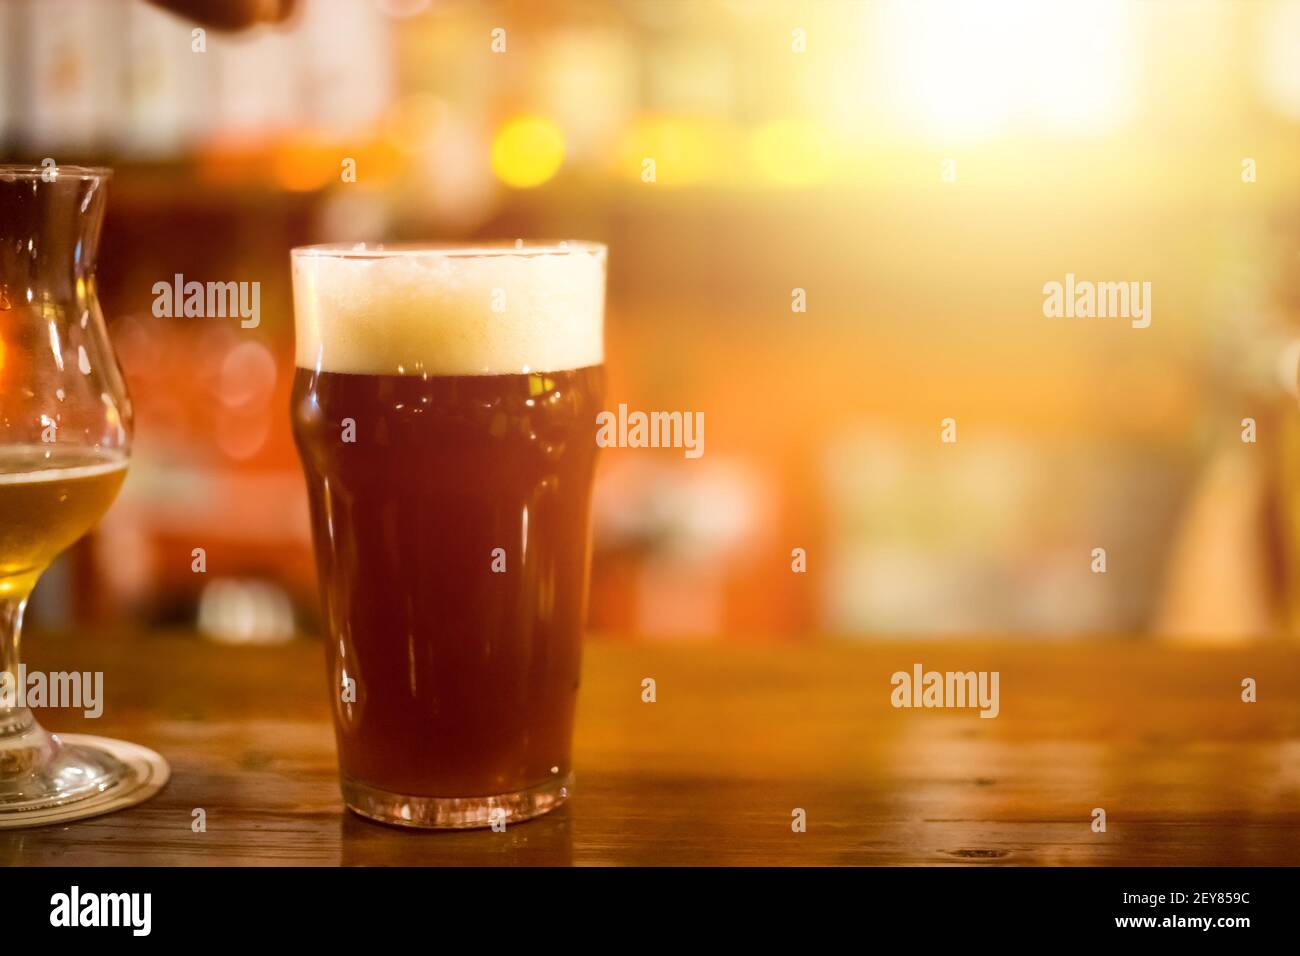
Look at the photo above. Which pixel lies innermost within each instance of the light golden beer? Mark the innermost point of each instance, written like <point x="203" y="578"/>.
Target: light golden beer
<point x="49" y="497"/>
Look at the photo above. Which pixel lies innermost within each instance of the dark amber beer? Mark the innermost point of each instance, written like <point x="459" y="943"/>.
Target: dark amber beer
<point x="445" y="409"/>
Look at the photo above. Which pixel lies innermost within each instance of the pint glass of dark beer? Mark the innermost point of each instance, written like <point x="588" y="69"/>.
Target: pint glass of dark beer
<point x="444" y="407"/>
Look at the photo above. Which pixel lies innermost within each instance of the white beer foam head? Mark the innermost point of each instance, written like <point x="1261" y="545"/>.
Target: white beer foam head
<point x="429" y="310"/>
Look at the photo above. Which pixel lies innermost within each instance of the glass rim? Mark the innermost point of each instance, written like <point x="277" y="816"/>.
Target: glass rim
<point x="448" y="250"/>
<point x="20" y="172"/>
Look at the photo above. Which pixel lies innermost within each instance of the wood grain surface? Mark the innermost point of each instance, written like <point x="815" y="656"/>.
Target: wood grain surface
<point x="738" y="738"/>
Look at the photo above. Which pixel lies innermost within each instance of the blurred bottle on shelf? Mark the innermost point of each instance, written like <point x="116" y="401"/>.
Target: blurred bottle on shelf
<point x="124" y="79"/>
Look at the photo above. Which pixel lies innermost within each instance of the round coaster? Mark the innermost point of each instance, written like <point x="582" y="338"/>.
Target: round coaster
<point x="148" y="773"/>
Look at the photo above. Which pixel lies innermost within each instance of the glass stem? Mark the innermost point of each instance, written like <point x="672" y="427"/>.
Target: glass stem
<point x="13" y="719"/>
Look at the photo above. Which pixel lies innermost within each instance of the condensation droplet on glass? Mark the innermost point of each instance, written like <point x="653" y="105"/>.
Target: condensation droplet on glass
<point x="83" y="360"/>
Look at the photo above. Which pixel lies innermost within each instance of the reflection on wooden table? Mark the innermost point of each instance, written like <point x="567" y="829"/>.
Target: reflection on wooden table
<point x="738" y="738"/>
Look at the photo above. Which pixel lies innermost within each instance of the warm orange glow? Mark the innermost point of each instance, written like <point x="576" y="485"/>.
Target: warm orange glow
<point x="304" y="165"/>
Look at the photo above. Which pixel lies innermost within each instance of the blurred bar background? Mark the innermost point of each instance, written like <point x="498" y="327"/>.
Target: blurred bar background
<point x="919" y="169"/>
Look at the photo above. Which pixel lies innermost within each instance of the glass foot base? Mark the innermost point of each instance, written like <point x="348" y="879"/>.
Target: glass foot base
<point x="455" y="813"/>
<point x="38" y="771"/>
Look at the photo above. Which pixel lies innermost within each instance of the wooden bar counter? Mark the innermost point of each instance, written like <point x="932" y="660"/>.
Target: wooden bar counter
<point x="738" y="739"/>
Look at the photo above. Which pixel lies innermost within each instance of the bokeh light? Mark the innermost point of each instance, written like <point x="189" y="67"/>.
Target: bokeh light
<point x="527" y="151"/>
